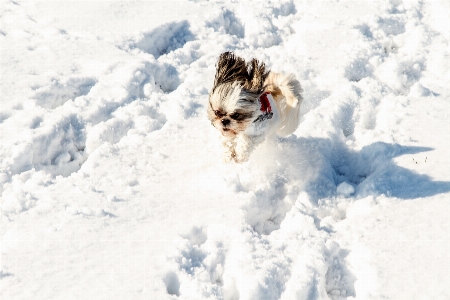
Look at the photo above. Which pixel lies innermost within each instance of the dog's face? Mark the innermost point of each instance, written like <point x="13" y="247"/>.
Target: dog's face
<point x="232" y="109"/>
<point x="233" y="101"/>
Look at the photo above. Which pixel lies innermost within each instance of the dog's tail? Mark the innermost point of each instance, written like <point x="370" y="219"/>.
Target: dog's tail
<point x="286" y="90"/>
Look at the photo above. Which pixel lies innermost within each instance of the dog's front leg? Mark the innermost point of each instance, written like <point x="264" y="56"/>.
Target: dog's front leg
<point x="229" y="153"/>
<point x="243" y="148"/>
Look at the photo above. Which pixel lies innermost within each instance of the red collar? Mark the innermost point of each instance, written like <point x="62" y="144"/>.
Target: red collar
<point x="265" y="108"/>
<point x="265" y="103"/>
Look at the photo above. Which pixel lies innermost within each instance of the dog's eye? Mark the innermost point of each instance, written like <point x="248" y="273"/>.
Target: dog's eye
<point x="217" y="113"/>
<point x="235" y="116"/>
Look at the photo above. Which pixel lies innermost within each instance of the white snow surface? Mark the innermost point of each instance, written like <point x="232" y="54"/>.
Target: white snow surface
<point x="111" y="178"/>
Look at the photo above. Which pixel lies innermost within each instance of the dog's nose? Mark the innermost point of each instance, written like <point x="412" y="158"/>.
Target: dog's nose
<point x="225" y="122"/>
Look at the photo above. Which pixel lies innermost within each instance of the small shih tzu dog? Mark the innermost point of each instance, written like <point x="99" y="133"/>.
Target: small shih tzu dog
<point x="248" y="103"/>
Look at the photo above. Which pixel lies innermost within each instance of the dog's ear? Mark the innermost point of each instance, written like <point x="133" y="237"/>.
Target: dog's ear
<point x="257" y="75"/>
<point x="230" y="68"/>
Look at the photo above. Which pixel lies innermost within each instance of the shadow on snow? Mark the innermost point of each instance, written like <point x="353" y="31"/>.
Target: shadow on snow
<point x="373" y="171"/>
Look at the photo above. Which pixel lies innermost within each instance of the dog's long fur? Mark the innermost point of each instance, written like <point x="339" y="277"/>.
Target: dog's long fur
<point x="231" y="68"/>
<point x="286" y="90"/>
<point x="234" y="106"/>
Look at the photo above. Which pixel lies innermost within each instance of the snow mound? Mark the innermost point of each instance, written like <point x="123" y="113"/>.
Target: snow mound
<point x="58" y="92"/>
<point x="227" y="21"/>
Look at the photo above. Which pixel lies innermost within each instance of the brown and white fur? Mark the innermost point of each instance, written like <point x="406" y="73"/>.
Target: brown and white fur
<point x="234" y="104"/>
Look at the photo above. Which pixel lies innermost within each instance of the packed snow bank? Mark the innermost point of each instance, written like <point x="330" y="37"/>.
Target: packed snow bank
<point x="110" y="174"/>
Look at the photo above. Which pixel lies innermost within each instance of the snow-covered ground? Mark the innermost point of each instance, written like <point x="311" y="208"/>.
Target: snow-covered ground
<point x="111" y="179"/>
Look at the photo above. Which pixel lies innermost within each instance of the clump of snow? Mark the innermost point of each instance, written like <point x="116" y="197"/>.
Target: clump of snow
<point x="345" y="189"/>
<point x="111" y="179"/>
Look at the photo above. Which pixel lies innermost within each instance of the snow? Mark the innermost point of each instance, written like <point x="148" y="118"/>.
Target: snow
<point x="111" y="179"/>
<point x="345" y="189"/>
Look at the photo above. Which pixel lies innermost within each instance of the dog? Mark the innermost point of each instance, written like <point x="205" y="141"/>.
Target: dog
<point x="248" y="103"/>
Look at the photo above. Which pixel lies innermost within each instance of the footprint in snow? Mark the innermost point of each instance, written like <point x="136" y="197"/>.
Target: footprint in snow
<point x="164" y="39"/>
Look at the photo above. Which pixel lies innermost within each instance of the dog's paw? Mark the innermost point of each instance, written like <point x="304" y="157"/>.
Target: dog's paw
<point x="241" y="157"/>
<point x="228" y="157"/>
